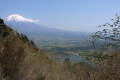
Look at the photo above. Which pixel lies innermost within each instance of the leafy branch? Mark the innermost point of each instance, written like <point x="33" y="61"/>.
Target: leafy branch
<point x="111" y="35"/>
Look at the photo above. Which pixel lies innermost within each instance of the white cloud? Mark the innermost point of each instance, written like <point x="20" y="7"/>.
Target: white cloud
<point x="31" y="20"/>
<point x="16" y="17"/>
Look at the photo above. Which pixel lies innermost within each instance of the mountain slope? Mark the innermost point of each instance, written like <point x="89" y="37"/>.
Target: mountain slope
<point x="29" y="27"/>
<point x="20" y="59"/>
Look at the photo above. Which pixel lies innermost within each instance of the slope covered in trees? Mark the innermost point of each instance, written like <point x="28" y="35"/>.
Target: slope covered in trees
<point x="20" y="59"/>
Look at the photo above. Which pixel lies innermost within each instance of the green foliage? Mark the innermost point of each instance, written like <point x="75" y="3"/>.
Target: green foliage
<point x="107" y="62"/>
<point x="1" y="23"/>
<point x="66" y="63"/>
<point x="111" y="35"/>
<point x="24" y="38"/>
<point x="32" y="42"/>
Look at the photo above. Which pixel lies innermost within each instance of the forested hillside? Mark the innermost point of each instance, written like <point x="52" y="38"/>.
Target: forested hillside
<point x="20" y="59"/>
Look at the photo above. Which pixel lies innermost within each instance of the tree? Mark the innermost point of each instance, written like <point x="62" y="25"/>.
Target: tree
<point x="1" y="22"/>
<point x="110" y="35"/>
<point x="66" y="63"/>
<point x="11" y="53"/>
<point x="108" y="64"/>
<point x="10" y="60"/>
<point x="1" y="25"/>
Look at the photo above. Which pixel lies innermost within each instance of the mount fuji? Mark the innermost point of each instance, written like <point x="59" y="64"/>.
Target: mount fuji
<point x="30" y="28"/>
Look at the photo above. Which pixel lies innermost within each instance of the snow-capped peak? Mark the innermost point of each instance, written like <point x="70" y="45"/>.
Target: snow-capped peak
<point x="18" y="18"/>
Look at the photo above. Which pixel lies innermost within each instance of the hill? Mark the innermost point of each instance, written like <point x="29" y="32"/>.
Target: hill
<point x="20" y="59"/>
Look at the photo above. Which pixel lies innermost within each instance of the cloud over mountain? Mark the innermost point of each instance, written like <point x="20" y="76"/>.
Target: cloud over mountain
<point x="18" y="18"/>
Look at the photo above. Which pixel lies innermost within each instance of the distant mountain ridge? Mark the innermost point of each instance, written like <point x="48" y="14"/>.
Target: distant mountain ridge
<point x="30" y="28"/>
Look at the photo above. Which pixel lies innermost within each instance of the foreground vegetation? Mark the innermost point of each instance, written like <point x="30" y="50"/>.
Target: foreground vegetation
<point x="20" y="59"/>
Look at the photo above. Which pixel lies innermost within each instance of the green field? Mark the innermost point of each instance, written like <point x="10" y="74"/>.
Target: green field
<point x="63" y="46"/>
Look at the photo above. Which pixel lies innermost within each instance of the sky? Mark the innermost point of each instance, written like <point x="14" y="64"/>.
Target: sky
<point x="73" y="15"/>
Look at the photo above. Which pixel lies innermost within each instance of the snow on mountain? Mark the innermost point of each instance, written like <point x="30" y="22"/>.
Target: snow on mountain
<point x="18" y="18"/>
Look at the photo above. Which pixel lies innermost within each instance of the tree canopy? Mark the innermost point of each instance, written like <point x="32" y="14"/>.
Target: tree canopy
<point x="110" y="34"/>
